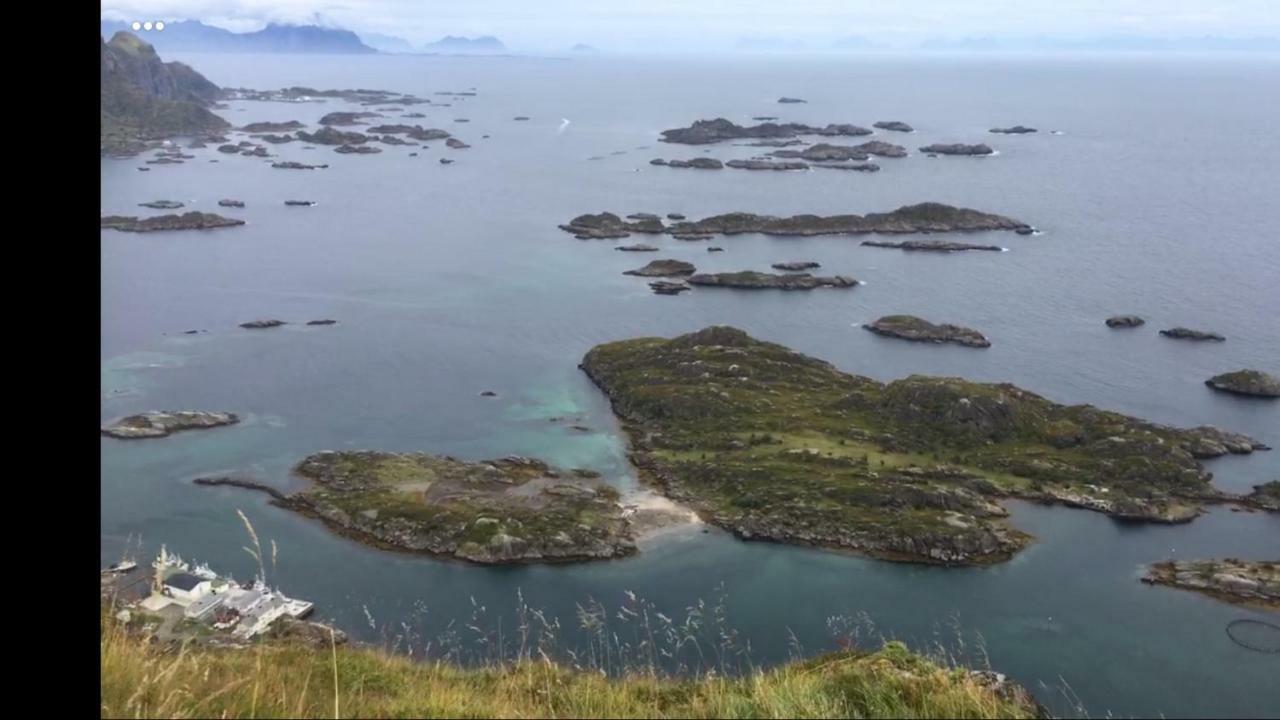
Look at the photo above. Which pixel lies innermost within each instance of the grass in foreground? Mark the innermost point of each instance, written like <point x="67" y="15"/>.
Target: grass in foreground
<point x="143" y="679"/>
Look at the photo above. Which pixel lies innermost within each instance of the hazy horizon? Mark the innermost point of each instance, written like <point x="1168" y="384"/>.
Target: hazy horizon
<point x="756" y="26"/>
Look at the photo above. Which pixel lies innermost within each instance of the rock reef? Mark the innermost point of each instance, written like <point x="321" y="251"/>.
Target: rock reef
<point x="751" y="280"/>
<point x="957" y="149"/>
<point x="1181" y="333"/>
<point x="663" y="268"/>
<point x="1125" y="321"/>
<point x="703" y="132"/>
<point x="187" y="221"/>
<point x="894" y="125"/>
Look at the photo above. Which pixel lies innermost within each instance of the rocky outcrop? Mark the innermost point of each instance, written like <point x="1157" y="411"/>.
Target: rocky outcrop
<point x="1125" y="321"/>
<point x="357" y="149"/>
<point x="346" y="118"/>
<point x="1015" y="130"/>
<point x="775" y="445"/>
<point x="910" y="327"/>
<point x="639" y="247"/>
<point x="1254" y="383"/>
<point x="157" y="424"/>
<point x="262" y="324"/>
<point x="796" y="266"/>
<point x="699" y="163"/>
<point x="231" y="203"/>
<point x="291" y="165"/>
<point x="504" y="511"/>
<point x="1242" y="582"/>
<point x="858" y="167"/>
<point x="1181" y="333"/>
<point x="161" y="204"/>
<point x="924" y="217"/>
<point x="1265" y="496"/>
<point x="824" y="152"/>
<point x="664" y="268"/>
<point x="325" y="321"/>
<point x="751" y="280"/>
<point x="957" y="149"/>
<point x="882" y="149"/>
<point x="894" y="125"/>
<point x="161" y="223"/>
<point x="789" y="100"/>
<point x="456" y="144"/>
<point x="607" y="225"/>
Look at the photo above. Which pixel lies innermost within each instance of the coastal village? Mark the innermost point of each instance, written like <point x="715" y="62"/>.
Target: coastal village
<point x="190" y="600"/>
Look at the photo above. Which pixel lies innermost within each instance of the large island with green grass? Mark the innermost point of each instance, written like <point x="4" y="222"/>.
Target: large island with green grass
<point x="775" y="445"/>
<point x="503" y="511"/>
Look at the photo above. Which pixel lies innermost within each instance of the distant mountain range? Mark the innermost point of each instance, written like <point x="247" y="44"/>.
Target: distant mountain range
<point x="195" y="36"/>
<point x="1136" y="43"/>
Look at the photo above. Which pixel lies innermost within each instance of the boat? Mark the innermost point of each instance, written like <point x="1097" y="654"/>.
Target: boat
<point x="123" y="566"/>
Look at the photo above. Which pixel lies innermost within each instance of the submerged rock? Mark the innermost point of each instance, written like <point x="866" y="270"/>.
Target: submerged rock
<point x="1015" y="130"/>
<point x="1181" y="333"/>
<point x="796" y="266"/>
<point x="322" y="322"/>
<point x="161" y="204"/>
<point x="291" y="165"/>
<point x="910" y="327"/>
<point x="186" y="221"/>
<point x="786" y="100"/>
<point x="751" y="280"/>
<point x="668" y="287"/>
<point x="640" y="247"/>
<point x="663" y="268"/>
<point x="1125" y="321"/>
<point x="262" y="324"/>
<point x="1246" y="382"/>
<point x="231" y="203"/>
<point x="157" y="424"/>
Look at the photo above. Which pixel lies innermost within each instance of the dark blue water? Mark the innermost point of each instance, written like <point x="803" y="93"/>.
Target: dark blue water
<point x="1156" y="199"/>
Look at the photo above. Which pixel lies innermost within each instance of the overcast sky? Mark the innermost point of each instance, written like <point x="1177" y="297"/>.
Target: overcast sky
<point x="712" y="24"/>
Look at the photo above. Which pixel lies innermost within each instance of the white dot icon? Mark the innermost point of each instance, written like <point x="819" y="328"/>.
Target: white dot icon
<point x="159" y="25"/>
<point x="146" y="25"/>
<point x="137" y="25"/>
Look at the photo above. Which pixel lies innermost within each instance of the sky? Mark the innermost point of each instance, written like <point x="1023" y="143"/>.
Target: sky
<point x="636" y="25"/>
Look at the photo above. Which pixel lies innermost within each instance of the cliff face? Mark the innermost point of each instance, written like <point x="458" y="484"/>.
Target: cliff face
<point x="144" y="98"/>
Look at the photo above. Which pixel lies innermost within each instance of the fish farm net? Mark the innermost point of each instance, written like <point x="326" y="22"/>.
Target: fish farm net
<point x="1257" y="635"/>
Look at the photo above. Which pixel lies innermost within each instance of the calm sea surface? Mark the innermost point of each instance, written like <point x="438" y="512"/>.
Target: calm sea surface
<point x="1158" y="198"/>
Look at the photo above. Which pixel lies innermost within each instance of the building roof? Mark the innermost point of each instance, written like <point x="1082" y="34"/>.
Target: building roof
<point x="183" y="581"/>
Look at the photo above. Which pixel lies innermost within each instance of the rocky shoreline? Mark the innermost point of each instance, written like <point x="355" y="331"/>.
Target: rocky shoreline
<point x="1254" y="583"/>
<point x="772" y="444"/>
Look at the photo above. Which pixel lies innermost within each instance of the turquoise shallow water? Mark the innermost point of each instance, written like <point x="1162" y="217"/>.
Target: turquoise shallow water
<point x="451" y="280"/>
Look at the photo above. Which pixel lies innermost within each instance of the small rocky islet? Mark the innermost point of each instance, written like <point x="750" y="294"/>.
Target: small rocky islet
<point x="752" y="280"/>
<point x="1125" y="321"/>
<point x="504" y="511"/>
<point x="957" y="149"/>
<point x="1182" y="333"/>
<point x="894" y="125"/>
<point x="158" y="424"/>
<point x="1253" y="383"/>
<point x="774" y="445"/>
<point x="162" y="223"/>
<point x="910" y="327"/>
<point x="704" y="132"/>
<point x="1015" y="130"/>
<point x="1253" y="583"/>
<point x="664" y="268"/>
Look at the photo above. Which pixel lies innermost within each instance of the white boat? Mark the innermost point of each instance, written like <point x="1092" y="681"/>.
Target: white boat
<point x="121" y="567"/>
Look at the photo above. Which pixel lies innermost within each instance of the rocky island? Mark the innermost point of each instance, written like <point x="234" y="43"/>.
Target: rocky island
<point x="1125" y="321"/>
<point x="699" y="163"/>
<point x="894" y="125"/>
<point x="1242" y="582"/>
<point x="957" y="149"/>
<point x="663" y="268"/>
<point x="910" y="327"/>
<point x="921" y="218"/>
<point x="1015" y="130"/>
<point x="751" y="280"/>
<point x="187" y="221"/>
<point x="798" y="266"/>
<point x="931" y="246"/>
<point x="774" y="445"/>
<point x="157" y="424"/>
<point x="503" y="511"/>
<point x="1265" y="496"/>
<point x="1254" y="383"/>
<point x="1181" y="333"/>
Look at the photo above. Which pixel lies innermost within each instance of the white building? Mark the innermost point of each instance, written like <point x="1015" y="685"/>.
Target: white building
<point x="186" y="588"/>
